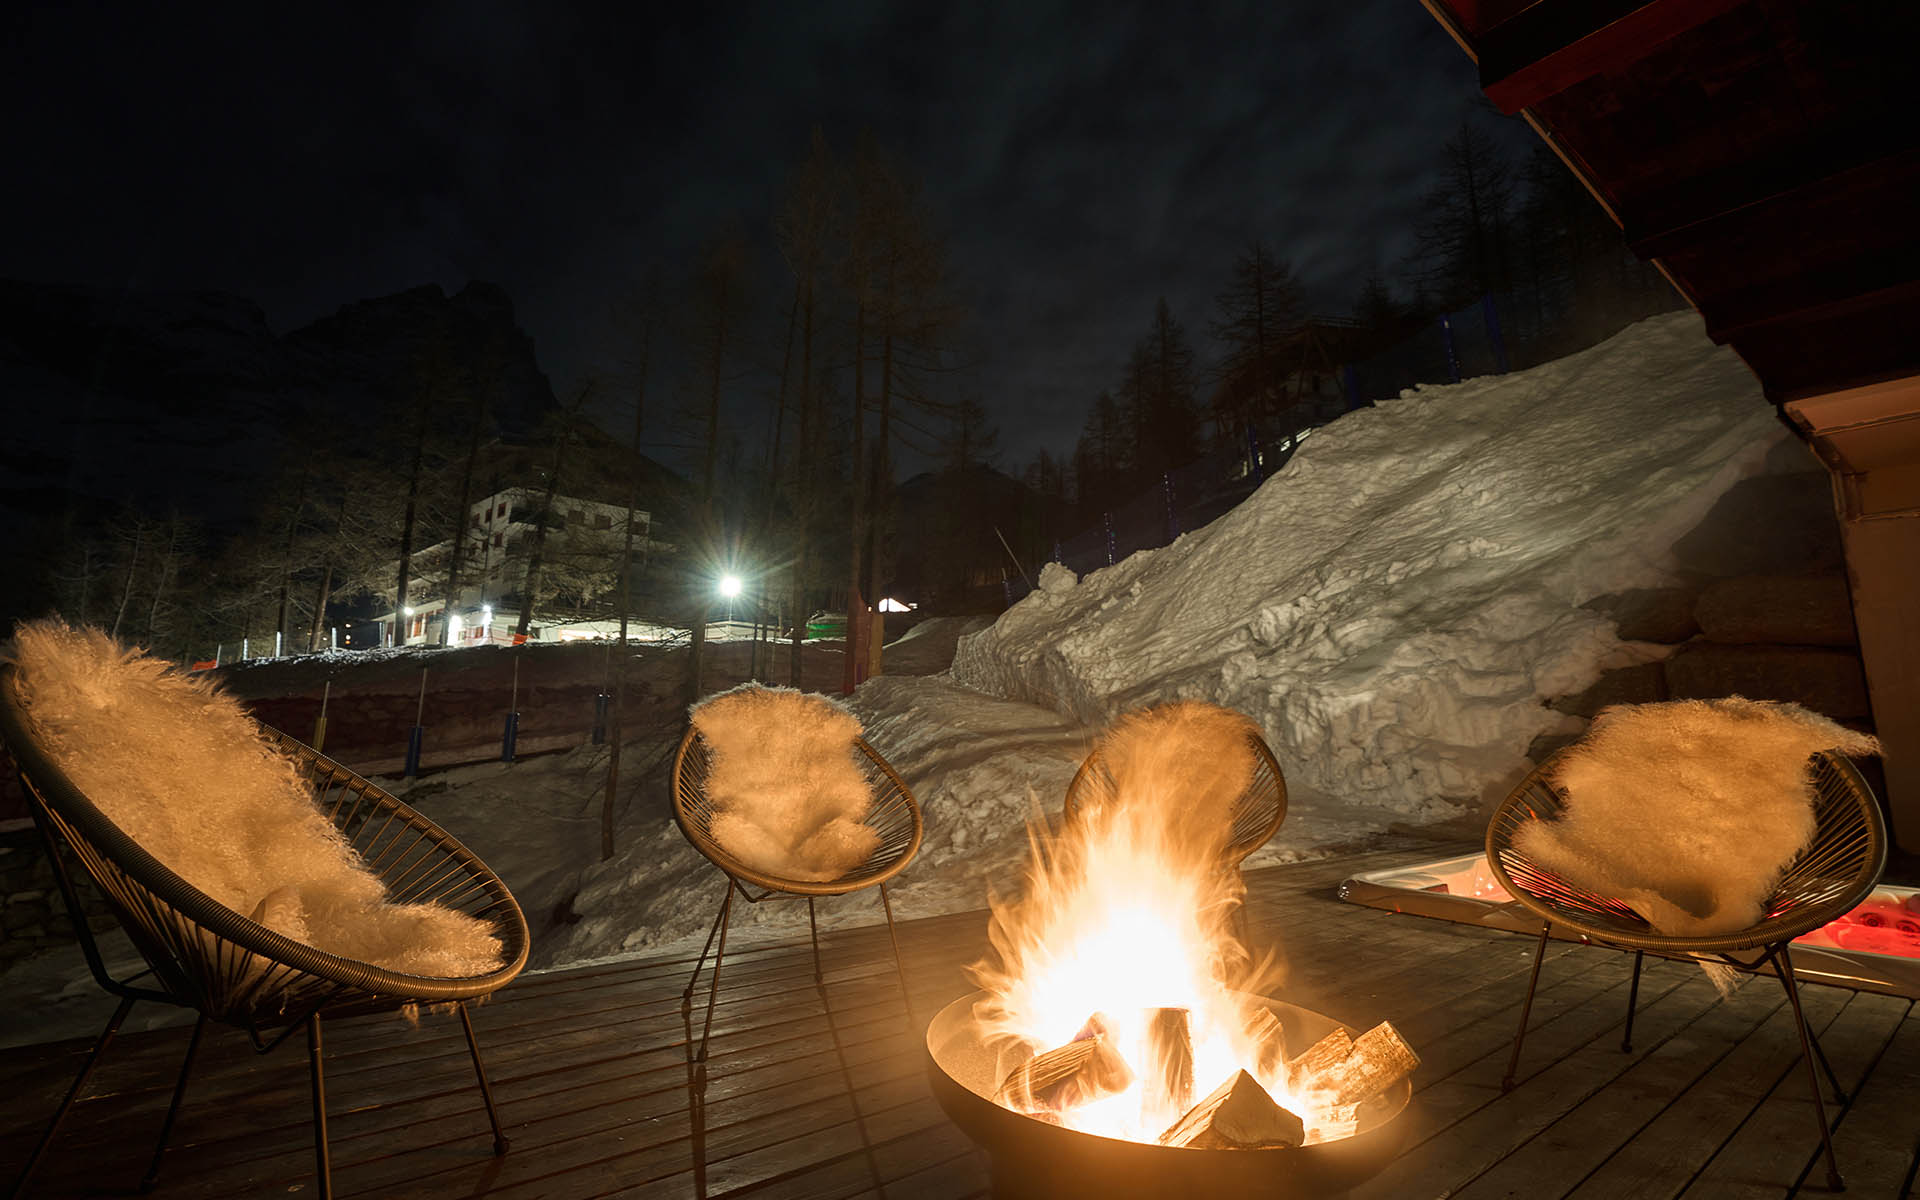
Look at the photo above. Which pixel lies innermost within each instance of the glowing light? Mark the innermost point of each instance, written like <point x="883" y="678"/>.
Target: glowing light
<point x="889" y="604"/>
<point x="730" y="586"/>
<point x="408" y="610"/>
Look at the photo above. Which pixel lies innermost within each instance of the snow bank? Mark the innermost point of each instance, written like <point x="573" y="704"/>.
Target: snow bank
<point x="1394" y="606"/>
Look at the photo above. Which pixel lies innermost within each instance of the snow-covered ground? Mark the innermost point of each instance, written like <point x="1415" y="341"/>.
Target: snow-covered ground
<point x="1393" y="607"/>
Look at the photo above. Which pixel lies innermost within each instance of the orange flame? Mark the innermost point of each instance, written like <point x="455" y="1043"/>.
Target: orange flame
<point x="1128" y="908"/>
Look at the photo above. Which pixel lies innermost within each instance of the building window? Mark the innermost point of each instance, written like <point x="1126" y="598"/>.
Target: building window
<point x="496" y="539"/>
<point x="602" y="521"/>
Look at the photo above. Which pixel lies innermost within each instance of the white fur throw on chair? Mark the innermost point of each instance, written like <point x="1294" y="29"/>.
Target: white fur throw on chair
<point x="183" y="770"/>
<point x="1688" y="810"/>
<point x="788" y="793"/>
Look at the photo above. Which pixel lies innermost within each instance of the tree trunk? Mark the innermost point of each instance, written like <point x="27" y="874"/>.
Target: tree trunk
<point x="856" y="601"/>
<point x="461" y="524"/>
<point x="773" y="478"/>
<point x="286" y="555"/>
<point x="126" y="587"/>
<point x="406" y="534"/>
<point x="803" y="475"/>
<point x="320" y="606"/>
<point x="537" y="544"/>
<point x="709" y="534"/>
<point x="164" y="578"/>
<point x="619" y="665"/>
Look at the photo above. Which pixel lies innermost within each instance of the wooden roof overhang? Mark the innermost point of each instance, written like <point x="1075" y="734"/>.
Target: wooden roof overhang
<point x="1763" y="153"/>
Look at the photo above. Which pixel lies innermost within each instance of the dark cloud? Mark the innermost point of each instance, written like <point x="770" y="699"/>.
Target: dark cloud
<point x="1084" y="159"/>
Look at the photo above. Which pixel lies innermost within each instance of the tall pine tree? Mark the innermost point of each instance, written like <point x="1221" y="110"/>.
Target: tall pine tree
<point x="1253" y="316"/>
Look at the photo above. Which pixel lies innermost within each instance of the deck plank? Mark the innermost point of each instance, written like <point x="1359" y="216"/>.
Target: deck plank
<point x="1777" y="1145"/>
<point x="819" y="1093"/>
<point x="1667" y="1153"/>
<point x="1564" y="1153"/>
<point x="1876" y="1139"/>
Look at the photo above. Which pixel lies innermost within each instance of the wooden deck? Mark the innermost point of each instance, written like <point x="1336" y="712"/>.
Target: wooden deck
<point x="813" y="1099"/>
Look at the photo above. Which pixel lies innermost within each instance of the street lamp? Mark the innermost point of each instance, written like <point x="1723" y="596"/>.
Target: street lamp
<point x="729" y="588"/>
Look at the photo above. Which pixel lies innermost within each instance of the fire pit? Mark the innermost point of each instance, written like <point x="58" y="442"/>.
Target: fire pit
<point x="1037" y="1158"/>
<point x="1123" y="1041"/>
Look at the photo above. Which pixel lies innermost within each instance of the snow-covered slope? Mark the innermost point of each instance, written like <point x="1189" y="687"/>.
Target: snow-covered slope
<point x="1394" y="606"/>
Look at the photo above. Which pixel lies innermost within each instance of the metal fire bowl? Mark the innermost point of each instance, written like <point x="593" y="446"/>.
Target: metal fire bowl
<point x="1032" y="1158"/>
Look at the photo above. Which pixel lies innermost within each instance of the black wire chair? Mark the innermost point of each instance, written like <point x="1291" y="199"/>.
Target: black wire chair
<point x="1828" y="879"/>
<point x="895" y="815"/>
<point x="202" y="955"/>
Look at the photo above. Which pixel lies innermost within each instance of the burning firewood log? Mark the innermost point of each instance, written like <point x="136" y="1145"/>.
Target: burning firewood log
<point x="1344" y="1072"/>
<point x="1304" y="1073"/>
<point x="1167" y="1076"/>
<point x="1380" y="1058"/>
<point x="1238" y="1114"/>
<point x="1065" y="1077"/>
<point x="1266" y="1033"/>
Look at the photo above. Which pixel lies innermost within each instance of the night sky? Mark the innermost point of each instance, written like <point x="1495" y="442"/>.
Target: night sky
<point x="1082" y="160"/>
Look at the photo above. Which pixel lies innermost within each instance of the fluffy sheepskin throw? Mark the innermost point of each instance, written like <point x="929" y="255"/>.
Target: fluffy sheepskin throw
<point x="1690" y="810"/>
<point x="785" y="780"/>
<point x="1189" y="758"/>
<point x="183" y="770"/>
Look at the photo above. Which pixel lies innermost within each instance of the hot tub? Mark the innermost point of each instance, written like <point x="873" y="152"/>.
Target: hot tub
<point x="1874" y="948"/>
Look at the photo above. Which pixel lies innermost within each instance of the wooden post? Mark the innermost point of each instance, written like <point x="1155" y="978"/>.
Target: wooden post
<point x="1869" y="438"/>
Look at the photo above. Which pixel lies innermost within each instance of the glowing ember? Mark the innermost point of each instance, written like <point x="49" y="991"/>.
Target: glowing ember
<point x="1124" y="934"/>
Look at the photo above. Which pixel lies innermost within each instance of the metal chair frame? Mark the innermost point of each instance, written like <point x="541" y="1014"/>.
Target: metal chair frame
<point x="1827" y="879"/>
<point x="895" y="814"/>
<point x="202" y="955"/>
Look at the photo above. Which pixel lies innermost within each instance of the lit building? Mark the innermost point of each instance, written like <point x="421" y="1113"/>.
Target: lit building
<point x="581" y="563"/>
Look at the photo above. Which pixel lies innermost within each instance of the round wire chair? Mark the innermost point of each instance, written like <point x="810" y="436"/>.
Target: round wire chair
<point x="895" y="815"/>
<point x="1829" y="878"/>
<point x="202" y="955"/>
<point x="1257" y="811"/>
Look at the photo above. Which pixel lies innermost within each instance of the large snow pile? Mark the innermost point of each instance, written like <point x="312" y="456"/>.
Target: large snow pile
<point x="1394" y="606"/>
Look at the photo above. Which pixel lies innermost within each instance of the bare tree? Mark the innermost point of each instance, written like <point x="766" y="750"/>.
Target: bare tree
<point x="1253" y="315"/>
<point x="718" y="290"/>
<point x="802" y="229"/>
<point x="563" y="426"/>
<point x="895" y="272"/>
<point x="1462" y="246"/>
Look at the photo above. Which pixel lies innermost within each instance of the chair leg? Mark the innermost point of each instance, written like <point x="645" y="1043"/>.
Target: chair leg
<point x="713" y="983"/>
<point x="500" y="1142"/>
<point x="1787" y="981"/>
<point x="73" y="1093"/>
<point x="1526" y="1009"/>
<point x="813" y="927"/>
<point x="322" y="1165"/>
<point x="686" y="997"/>
<point x="173" y="1109"/>
<point x="906" y="993"/>
<point x="1633" y="1002"/>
